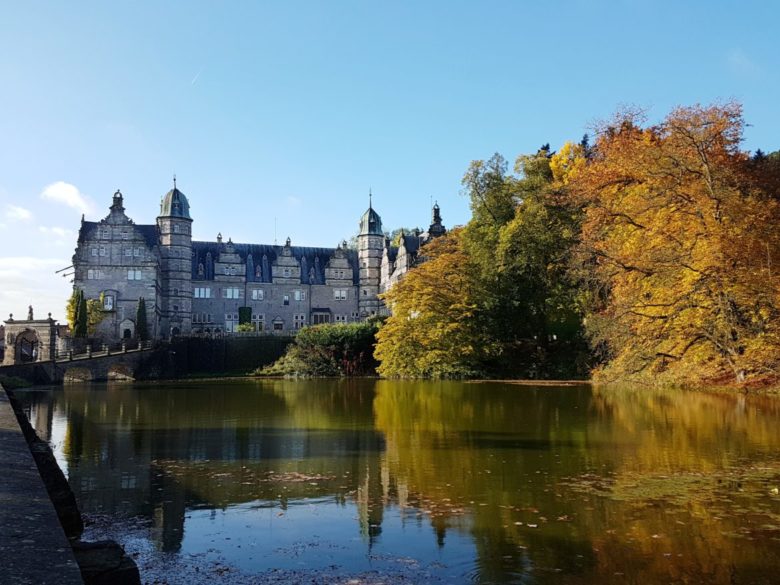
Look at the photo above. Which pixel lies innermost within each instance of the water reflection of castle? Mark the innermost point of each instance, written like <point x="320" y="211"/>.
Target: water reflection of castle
<point x="159" y="473"/>
<point x="480" y="459"/>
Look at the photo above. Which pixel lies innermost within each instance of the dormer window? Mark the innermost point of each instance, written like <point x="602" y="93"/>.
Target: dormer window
<point x="286" y="272"/>
<point x="176" y="228"/>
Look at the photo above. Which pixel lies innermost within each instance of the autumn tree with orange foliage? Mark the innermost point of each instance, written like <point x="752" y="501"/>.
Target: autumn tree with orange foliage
<point x="681" y="248"/>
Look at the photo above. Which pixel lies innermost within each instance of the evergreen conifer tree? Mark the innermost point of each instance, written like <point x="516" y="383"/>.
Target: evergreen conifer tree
<point x="80" y="327"/>
<point x="141" y="326"/>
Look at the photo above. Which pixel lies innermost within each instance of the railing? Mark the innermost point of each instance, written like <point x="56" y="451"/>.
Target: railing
<point x="104" y="350"/>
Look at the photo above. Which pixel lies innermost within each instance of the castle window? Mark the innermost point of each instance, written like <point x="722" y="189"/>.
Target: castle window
<point x="108" y="303"/>
<point x="175" y="228"/>
<point x="300" y="295"/>
<point x="320" y="318"/>
<point x="355" y="315"/>
<point x="106" y="234"/>
<point x="102" y="250"/>
<point x="299" y="320"/>
<point x="200" y="269"/>
<point x="231" y="322"/>
<point x="133" y="274"/>
<point x="129" y="252"/>
<point x="136" y="251"/>
<point x="175" y="308"/>
<point x="278" y="325"/>
<point x="125" y="236"/>
<point x="202" y="292"/>
<point x="176" y="292"/>
<point x="257" y="294"/>
<point x="259" y="322"/>
<point x="231" y="293"/>
<point x="340" y="294"/>
<point x="286" y="272"/>
<point x="286" y="300"/>
<point x="94" y="251"/>
<point x="340" y="318"/>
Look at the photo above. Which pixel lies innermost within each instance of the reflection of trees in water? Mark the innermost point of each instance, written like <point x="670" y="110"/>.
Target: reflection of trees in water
<point x="615" y="481"/>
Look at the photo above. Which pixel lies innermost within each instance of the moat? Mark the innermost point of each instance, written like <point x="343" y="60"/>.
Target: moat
<point x="422" y="482"/>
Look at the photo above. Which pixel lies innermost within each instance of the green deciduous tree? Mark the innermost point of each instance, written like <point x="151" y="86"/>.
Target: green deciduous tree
<point x="521" y="237"/>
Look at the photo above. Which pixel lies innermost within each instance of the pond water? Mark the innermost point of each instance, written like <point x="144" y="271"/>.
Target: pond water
<point x="422" y="482"/>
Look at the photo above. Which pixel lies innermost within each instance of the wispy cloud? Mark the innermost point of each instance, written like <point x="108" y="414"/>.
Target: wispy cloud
<point x="57" y="231"/>
<point x="197" y="75"/>
<point x="67" y="194"/>
<point x="61" y="235"/>
<point x="739" y="63"/>
<point x="16" y="213"/>
<point x="293" y="201"/>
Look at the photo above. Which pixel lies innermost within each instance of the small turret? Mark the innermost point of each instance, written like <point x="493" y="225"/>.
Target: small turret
<point x="436" y="228"/>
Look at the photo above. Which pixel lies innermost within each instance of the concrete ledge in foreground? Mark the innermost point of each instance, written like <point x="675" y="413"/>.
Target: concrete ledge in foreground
<point x="33" y="546"/>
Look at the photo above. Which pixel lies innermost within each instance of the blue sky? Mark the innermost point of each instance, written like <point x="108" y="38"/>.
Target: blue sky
<point x="287" y="113"/>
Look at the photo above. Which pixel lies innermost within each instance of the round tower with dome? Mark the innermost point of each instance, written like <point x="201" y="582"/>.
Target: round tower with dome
<point x="371" y="242"/>
<point x="174" y="226"/>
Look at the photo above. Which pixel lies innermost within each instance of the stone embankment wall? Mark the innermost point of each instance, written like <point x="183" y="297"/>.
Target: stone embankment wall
<point x="33" y="544"/>
<point x="40" y="523"/>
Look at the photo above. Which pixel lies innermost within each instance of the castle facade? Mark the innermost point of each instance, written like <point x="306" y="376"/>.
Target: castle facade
<point x="195" y="287"/>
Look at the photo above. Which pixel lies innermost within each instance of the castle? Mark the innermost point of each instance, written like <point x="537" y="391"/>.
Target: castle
<point x="194" y="287"/>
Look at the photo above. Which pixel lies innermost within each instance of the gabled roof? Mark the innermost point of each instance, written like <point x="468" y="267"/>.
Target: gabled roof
<point x="148" y="232"/>
<point x="411" y="243"/>
<point x="308" y="257"/>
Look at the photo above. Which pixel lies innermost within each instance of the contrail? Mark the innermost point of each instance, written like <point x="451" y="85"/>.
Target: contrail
<point x="194" y="79"/>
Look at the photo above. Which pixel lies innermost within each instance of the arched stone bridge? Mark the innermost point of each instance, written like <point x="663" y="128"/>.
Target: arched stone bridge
<point x="98" y="366"/>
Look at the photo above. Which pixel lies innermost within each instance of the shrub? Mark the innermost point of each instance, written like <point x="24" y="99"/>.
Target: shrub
<point x="329" y="350"/>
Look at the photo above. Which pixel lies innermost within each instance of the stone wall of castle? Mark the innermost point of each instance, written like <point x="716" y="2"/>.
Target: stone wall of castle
<point x="194" y="287"/>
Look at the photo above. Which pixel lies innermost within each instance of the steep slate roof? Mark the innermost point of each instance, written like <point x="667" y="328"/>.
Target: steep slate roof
<point x="371" y="223"/>
<point x="412" y="244"/>
<point x="305" y="255"/>
<point x="149" y="232"/>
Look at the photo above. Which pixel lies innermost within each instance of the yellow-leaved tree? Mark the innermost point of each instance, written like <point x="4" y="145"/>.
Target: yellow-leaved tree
<point x="434" y="330"/>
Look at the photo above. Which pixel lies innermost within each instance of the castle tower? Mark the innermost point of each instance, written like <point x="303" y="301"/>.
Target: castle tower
<point x="371" y="242"/>
<point x="436" y="228"/>
<point x="174" y="225"/>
